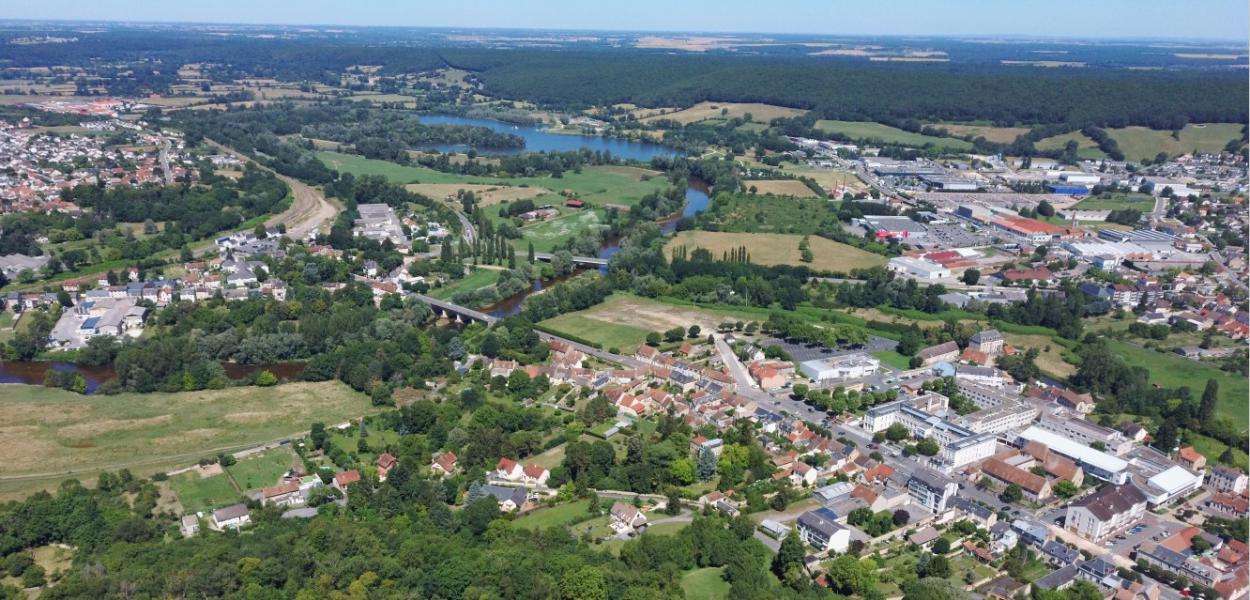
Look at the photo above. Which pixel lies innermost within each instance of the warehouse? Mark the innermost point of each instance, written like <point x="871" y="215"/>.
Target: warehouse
<point x="917" y="268"/>
<point x="894" y="227"/>
<point x="947" y="183"/>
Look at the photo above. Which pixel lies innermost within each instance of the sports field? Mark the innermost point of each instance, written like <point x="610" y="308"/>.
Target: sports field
<point x="868" y="130"/>
<point x="1138" y="143"/>
<point x="53" y="434"/>
<point x="760" y="113"/>
<point x="779" y="249"/>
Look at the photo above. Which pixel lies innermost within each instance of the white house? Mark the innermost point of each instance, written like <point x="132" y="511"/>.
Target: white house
<point x="231" y="517"/>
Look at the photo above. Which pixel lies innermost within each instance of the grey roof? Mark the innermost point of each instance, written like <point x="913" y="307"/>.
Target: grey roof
<point x="989" y="335"/>
<point x="819" y="522"/>
<point x="968" y="506"/>
<point x="931" y="479"/>
<point x="517" y="495"/>
<point x="1060" y="552"/>
<point x="233" y="511"/>
<point x="1110" y="500"/>
<point x="1057" y="578"/>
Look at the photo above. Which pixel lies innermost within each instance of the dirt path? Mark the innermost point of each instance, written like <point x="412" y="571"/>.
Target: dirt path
<point x="310" y="211"/>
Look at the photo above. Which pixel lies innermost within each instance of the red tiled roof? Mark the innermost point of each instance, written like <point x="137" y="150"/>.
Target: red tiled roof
<point x="506" y="464"/>
<point x="347" y="477"/>
<point x="534" y="471"/>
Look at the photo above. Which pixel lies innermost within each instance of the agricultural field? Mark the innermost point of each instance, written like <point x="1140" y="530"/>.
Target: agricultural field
<point x="1085" y="147"/>
<point x="1000" y="135"/>
<point x="1139" y="143"/>
<point x="485" y="194"/>
<point x="626" y="338"/>
<point x="779" y="249"/>
<point x="782" y="187"/>
<point x="1170" y="370"/>
<point x="55" y="434"/>
<point x="641" y="315"/>
<point x="865" y="130"/>
<point x="1143" y="202"/>
<point x="760" y="113"/>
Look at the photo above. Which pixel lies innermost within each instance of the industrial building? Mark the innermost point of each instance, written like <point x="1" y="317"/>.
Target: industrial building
<point x="917" y="268"/>
<point x="847" y="366"/>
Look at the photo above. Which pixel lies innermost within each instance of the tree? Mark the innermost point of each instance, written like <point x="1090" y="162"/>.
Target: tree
<point x="927" y="447"/>
<point x="1210" y="396"/>
<point x="910" y="343"/>
<point x="1166" y="437"/>
<point x="1045" y="209"/>
<point x="971" y="276"/>
<point x="266" y="378"/>
<point x="1012" y="493"/>
<point x="932" y="588"/>
<point x="941" y="546"/>
<point x="706" y="467"/>
<point x="693" y="332"/>
<point x="586" y="583"/>
<point x="674" y="335"/>
<point x="896" y="432"/>
<point x="935" y="566"/>
<point x="900" y="517"/>
<point x="653" y="339"/>
<point x="1065" y="489"/>
<point x="790" y="554"/>
<point x="672" y="503"/>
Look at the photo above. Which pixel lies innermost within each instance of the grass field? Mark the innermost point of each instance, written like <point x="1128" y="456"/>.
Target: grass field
<point x="760" y="113"/>
<point x="1143" y="202"/>
<point x="1173" y="371"/>
<point x="1050" y="358"/>
<point x="264" y="469"/>
<point x="707" y="583"/>
<point x="551" y="234"/>
<point x="56" y="434"/>
<point x="894" y="359"/>
<point x="780" y="249"/>
<point x="782" y="187"/>
<point x="1001" y="135"/>
<point x="197" y="493"/>
<point x="1138" y="143"/>
<point x="829" y="179"/>
<point x="866" y="130"/>
<point x="640" y="315"/>
<point x="1086" y="148"/>
<point x="608" y="335"/>
<point x="474" y="280"/>
<point x="556" y="516"/>
<point x="768" y="214"/>
<point x="486" y="194"/>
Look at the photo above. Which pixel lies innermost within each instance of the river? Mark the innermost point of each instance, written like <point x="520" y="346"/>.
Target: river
<point x="33" y="372"/>
<point x="538" y="139"/>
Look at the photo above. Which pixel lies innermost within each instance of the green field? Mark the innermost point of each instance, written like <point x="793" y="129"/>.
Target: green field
<point x="54" y="434"/>
<point x="1173" y="371"/>
<point x="264" y="469"/>
<point x="742" y="213"/>
<point x="867" y="130"/>
<point x="556" y="516"/>
<point x="474" y="280"/>
<point x="779" y="249"/>
<point x="607" y="335"/>
<point x="1139" y="143"/>
<point x="1143" y="202"/>
<point x="893" y="359"/>
<point x="197" y="493"/>
<point x="707" y="583"/>
<point x="550" y="235"/>
<point x="1086" y="148"/>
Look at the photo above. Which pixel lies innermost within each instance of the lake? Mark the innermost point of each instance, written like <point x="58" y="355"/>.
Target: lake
<point x="538" y="139"/>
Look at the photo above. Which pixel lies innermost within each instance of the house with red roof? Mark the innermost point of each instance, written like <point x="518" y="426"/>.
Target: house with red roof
<point x="509" y="469"/>
<point x="346" y="478"/>
<point x="535" y="474"/>
<point x="444" y="465"/>
<point x="386" y="461"/>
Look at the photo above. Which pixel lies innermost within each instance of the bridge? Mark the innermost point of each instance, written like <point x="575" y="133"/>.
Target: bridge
<point x="455" y="311"/>
<point x="581" y="261"/>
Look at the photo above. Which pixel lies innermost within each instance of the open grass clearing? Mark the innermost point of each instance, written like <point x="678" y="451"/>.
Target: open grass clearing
<point x="868" y="130"/>
<point x="625" y="338"/>
<point x="264" y="469"/>
<point x="1142" y="202"/>
<point x="894" y="359"/>
<point x="197" y="494"/>
<point x="486" y="194"/>
<point x="779" y="249"/>
<point x="1170" y="370"/>
<point x="707" y="583"/>
<point x="1000" y="135"/>
<point x="556" y="516"/>
<point x="782" y="187"/>
<point x="1085" y="147"/>
<point x="56" y="434"/>
<point x="760" y="113"/>
<point x="551" y="234"/>
<point x="646" y="315"/>
<point x="1050" y="358"/>
<point x="1139" y="143"/>
<point x="476" y="279"/>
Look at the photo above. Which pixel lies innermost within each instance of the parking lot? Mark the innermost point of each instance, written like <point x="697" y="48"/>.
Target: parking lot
<point x="804" y="352"/>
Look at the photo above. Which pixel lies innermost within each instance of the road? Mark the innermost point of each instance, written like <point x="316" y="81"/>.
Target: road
<point x="625" y="361"/>
<point x="309" y="212"/>
<point x="165" y="170"/>
<point x="470" y="232"/>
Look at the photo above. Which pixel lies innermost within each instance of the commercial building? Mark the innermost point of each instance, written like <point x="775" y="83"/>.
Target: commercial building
<point x="1086" y="432"/>
<point x="847" y="366"/>
<point x="917" y="268"/>
<point x="1106" y="512"/>
<point x="1094" y="462"/>
<point x="901" y="228"/>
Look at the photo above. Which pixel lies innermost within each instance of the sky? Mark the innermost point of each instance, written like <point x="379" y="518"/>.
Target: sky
<point x="1206" y="19"/>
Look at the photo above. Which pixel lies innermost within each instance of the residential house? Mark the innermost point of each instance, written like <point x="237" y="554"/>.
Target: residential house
<point x="1191" y="459"/>
<point x="1228" y="480"/>
<point x="989" y="341"/>
<point x="344" y="479"/>
<point x="931" y="489"/>
<point x="444" y="465"/>
<point x="386" y="461"/>
<point x="189" y="526"/>
<point x="536" y="475"/>
<point x="820" y="529"/>
<point x="283" y="494"/>
<point x="509" y="498"/>
<point x="509" y="470"/>
<point x="627" y="517"/>
<point x="1005" y="588"/>
<point x="234" y="516"/>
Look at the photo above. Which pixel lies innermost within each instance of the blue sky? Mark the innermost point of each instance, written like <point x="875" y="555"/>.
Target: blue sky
<point x="1212" y="19"/>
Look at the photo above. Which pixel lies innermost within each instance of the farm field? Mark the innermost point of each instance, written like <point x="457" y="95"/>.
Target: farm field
<point x="486" y="194"/>
<point x="782" y="187"/>
<point x="864" y="130"/>
<point x="1142" y="202"/>
<point x="55" y="434"/>
<point x="780" y="249"/>
<point x="760" y="113"/>
<point x="1085" y="147"/>
<point x="1001" y="135"/>
<point x="1138" y="143"/>
<point x="626" y="338"/>
<point x="648" y="315"/>
<point x="1173" y="371"/>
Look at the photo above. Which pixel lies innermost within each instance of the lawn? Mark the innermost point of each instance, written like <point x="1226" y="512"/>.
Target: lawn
<point x="670" y="528"/>
<point x="894" y="359"/>
<point x="1138" y="143"/>
<point x="607" y="335"/>
<point x="867" y="130"/>
<point x="556" y="516"/>
<point x="1213" y="448"/>
<point x="58" y="434"/>
<point x="707" y="583"/>
<point x="197" y="493"/>
<point x="780" y="249"/>
<point x="264" y="469"/>
<point x="1173" y="371"/>
<point x="474" y="280"/>
<point x="1142" y="202"/>
<point x="1085" y="147"/>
